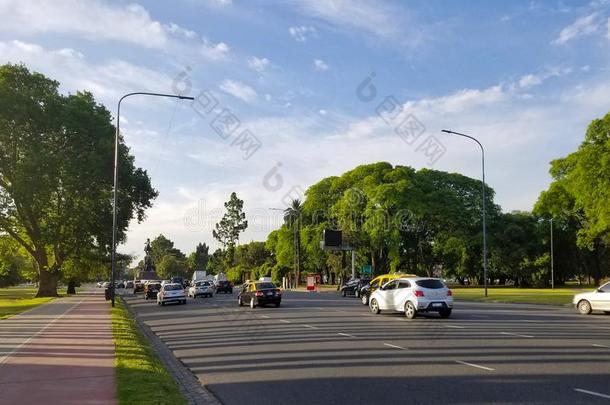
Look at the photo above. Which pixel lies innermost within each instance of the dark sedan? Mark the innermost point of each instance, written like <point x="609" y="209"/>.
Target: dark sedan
<point x="259" y="293"/>
<point x="224" y="287"/>
<point x="353" y="286"/>
<point x="151" y="290"/>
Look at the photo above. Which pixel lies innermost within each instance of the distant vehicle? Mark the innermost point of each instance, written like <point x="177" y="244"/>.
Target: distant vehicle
<point x="120" y="284"/>
<point x="353" y="286"/>
<point x="105" y="284"/>
<point x="100" y="284"/>
<point x="129" y="284"/>
<point x="201" y="289"/>
<point x="259" y="293"/>
<point x="224" y="286"/>
<point x="138" y="286"/>
<point x="220" y="277"/>
<point x="367" y="290"/>
<point x="171" y="293"/>
<point x="179" y="280"/>
<point x="412" y="296"/>
<point x="151" y="289"/>
<point x="597" y="300"/>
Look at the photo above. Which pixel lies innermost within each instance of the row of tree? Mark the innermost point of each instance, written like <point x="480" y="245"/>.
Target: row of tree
<point x="56" y="154"/>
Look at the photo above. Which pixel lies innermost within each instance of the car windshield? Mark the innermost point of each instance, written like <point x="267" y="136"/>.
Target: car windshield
<point x="172" y="287"/>
<point x="265" y="286"/>
<point x="203" y="284"/>
<point x="430" y="283"/>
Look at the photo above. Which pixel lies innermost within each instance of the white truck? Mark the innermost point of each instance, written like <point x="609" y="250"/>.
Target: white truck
<point x="220" y="277"/>
<point x="199" y="275"/>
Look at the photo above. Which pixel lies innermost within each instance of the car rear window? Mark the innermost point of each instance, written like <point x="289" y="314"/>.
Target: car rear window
<point x="430" y="283"/>
<point x="172" y="287"/>
<point x="265" y="286"/>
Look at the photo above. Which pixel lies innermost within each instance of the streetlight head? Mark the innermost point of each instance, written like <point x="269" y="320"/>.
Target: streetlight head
<point x="186" y="98"/>
<point x="447" y="131"/>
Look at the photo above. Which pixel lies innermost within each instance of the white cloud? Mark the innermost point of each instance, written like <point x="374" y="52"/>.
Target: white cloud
<point x="302" y="33"/>
<point x="239" y="90"/>
<point x="106" y="80"/>
<point x="608" y="26"/>
<point x="583" y="26"/>
<point x="531" y="80"/>
<point x="91" y="19"/>
<point x="176" y="29"/>
<point x="258" y="64"/>
<point x="215" y="51"/>
<point x="383" y="20"/>
<point x="320" y="65"/>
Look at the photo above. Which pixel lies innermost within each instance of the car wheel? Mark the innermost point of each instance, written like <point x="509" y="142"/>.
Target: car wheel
<point x="375" y="306"/>
<point x="277" y="305"/>
<point x="410" y="311"/>
<point x="343" y="294"/>
<point x="252" y="303"/>
<point x="240" y="302"/>
<point x="365" y="299"/>
<point x="162" y="303"/>
<point x="445" y="313"/>
<point x="584" y="307"/>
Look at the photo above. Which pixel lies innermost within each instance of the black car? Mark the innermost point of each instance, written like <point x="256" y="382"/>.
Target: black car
<point x="151" y="290"/>
<point x="224" y="286"/>
<point x="353" y="286"/>
<point x="179" y="280"/>
<point x="259" y="293"/>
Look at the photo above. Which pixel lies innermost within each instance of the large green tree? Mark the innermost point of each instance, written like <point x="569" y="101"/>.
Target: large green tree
<point x="198" y="260"/>
<point x="56" y="155"/>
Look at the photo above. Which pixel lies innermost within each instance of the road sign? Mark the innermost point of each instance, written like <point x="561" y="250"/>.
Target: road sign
<point x="367" y="270"/>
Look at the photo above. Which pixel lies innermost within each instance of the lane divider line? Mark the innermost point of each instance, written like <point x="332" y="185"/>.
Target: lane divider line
<point x="598" y="345"/>
<point x="516" y="334"/>
<point x="475" y="365"/>
<point x="596" y="394"/>
<point x="310" y="326"/>
<point x="455" y="326"/>
<point x="395" y="347"/>
<point x="346" y="335"/>
<point x="265" y="316"/>
<point x="285" y="321"/>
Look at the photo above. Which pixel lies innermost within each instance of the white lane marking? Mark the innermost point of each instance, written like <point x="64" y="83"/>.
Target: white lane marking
<point x="310" y="326"/>
<point x="597" y="394"/>
<point x="12" y="352"/>
<point x="480" y="316"/>
<point x="365" y="314"/>
<point x="285" y="321"/>
<point x="455" y="326"/>
<point x="346" y="335"/>
<point x="475" y="365"/>
<point x="265" y="316"/>
<point x="598" y="345"/>
<point x="516" y="334"/>
<point x="319" y="308"/>
<point x="394" y="346"/>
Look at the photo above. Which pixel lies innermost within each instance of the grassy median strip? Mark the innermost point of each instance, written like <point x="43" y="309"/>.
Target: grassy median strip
<point x="14" y="300"/>
<point x="141" y="377"/>
<point x="558" y="296"/>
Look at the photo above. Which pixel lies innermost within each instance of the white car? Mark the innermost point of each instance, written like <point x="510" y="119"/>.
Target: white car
<point x="413" y="295"/>
<point x="598" y="300"/>
<point x="201" y="288"/>
<point x="171" y="293"/>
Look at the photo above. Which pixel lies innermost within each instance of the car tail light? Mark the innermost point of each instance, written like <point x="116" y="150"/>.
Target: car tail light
<point x="449" y="293"/>
<point x="278" y="292"/>
<point x="259" y="293"/>
<point x="418" y="293"/>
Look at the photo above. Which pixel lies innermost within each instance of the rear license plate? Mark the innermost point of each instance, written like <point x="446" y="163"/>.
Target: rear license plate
<point x="269" y="293"/>
<point x="437" y="304"/>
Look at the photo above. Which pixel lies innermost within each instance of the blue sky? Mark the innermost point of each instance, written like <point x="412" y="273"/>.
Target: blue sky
<point x="525" y="77"/>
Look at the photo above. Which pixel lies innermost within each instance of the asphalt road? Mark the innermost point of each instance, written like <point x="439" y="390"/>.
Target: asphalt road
<point x="319" y="348"/>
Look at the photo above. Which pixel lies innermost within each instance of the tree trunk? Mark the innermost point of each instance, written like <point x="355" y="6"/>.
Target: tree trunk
<point x="47" y="284"/>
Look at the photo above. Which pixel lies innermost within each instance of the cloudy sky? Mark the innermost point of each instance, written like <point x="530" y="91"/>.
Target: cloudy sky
<point x="290" y="92"/>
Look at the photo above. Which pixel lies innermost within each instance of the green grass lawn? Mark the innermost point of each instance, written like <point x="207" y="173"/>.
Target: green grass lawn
<point x="141" y="377"/>
<point x="14" y="300"/>
<point x="558" y="296"/>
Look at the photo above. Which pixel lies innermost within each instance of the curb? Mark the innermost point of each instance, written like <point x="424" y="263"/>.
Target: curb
<point x="190" y="387"/>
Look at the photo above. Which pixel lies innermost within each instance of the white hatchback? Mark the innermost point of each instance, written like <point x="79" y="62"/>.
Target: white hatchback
<point x="413" y="295"/>
<point x="598" y="300"/>
<point x="201" y="288"/>
<point x="171" y="293"/>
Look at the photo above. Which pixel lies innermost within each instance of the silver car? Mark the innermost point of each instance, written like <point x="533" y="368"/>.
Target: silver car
<point x="598" y="300"/>
<point x="201" y="289"/>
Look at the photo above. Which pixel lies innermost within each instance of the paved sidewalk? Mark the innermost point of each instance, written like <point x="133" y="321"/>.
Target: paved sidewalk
<point x="61" y="352"/>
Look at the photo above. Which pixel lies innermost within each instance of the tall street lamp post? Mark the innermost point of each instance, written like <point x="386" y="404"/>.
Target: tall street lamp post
<point x="116" y="178"/>
<point x="483" y="192"/>
<point x="552" y="259"/>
